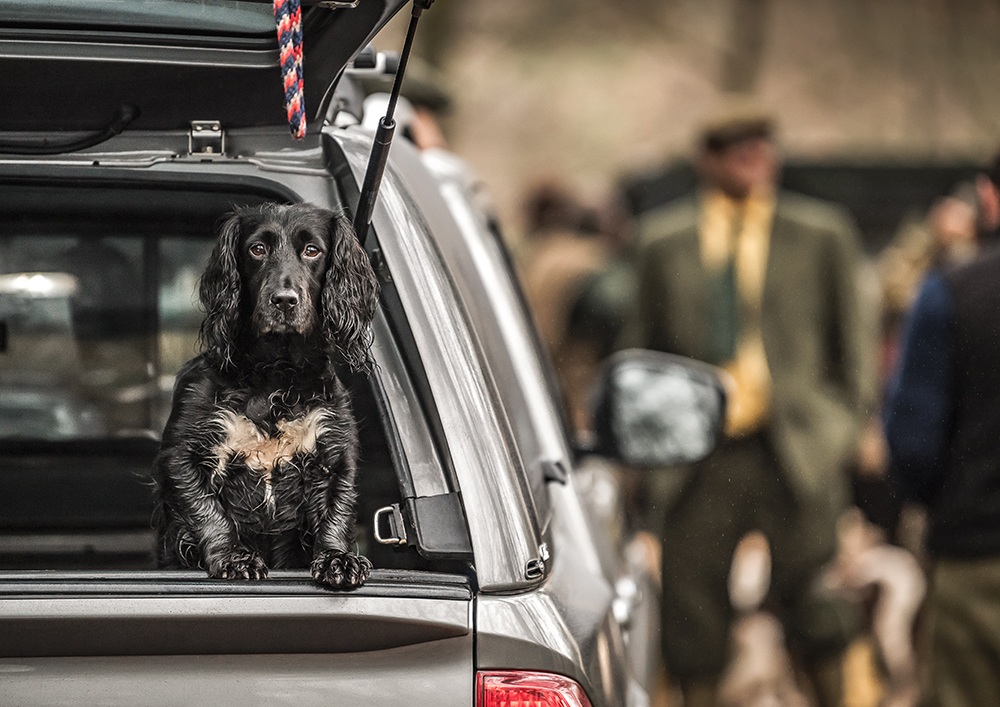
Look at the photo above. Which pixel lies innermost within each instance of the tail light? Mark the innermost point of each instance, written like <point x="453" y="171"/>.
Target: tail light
<point x="517" y="688"/>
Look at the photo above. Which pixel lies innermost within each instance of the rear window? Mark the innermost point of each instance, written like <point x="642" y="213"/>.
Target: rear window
<point x="98" y="312"/>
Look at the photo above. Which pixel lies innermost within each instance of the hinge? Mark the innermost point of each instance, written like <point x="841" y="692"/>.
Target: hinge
<point x="206" y="137"/>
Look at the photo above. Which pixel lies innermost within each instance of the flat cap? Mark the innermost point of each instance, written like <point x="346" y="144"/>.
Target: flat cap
<point x="734" y="123"/>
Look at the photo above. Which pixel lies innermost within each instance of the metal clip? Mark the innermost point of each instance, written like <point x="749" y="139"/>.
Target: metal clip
<point x="397" y="529"/>
<point x="534" y="569"/>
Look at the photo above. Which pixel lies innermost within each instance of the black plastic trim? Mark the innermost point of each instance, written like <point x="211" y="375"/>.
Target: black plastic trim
<point x="125" y="115"/>
<point x="440" y="526"/>
<point x="157" y="36"/>
<point x="449" y="538"/>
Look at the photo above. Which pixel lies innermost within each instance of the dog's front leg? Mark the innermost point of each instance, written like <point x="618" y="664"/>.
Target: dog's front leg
<point x="330" y="513"/>
<point x="192" y="525"/>
<point x="202" y="520"/>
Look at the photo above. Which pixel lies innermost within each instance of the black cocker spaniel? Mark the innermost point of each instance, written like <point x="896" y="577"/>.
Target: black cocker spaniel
<point x="257" y="464"/>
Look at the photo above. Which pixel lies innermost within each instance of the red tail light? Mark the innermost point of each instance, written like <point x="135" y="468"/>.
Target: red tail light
<point x="516" y="688"/>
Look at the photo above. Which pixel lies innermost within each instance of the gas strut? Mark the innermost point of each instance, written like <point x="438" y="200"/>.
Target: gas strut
<point x="383" y="136"/>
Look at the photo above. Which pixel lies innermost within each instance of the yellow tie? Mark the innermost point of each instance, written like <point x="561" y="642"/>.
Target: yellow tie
<point x="723" y="234"/>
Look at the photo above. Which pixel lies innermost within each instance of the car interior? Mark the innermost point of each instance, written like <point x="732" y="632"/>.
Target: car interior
<point x="98" y="312"/>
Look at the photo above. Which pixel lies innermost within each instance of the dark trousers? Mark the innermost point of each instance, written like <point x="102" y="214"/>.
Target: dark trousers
<point x="963" y="633"/>
<point x="738" y="489"/>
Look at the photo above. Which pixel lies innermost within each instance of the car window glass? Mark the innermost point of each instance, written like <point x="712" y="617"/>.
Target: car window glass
<point x="84" y="356"/>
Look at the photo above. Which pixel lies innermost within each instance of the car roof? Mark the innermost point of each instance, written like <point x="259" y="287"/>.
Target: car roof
<point x="70" y="65"/>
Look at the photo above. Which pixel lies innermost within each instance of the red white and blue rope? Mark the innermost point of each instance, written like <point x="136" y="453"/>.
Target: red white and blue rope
<point x="288" y="17"/>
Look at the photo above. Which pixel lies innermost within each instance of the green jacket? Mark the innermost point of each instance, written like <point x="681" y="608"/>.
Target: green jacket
<point x="820" y="352"/>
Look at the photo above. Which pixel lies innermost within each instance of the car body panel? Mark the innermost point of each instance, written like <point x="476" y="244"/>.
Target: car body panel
<point x="184" y="616"/>
<point x="415" y="673"/>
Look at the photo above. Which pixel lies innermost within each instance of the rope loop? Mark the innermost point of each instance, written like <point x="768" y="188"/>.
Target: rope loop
<point x="288" y="18"/>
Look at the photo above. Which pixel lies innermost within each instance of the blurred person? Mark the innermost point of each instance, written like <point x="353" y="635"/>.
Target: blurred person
<point x="869" y="563"/>
<point x="953" y="226"/>
<point x="607" y="296"/>
<point x="763" y="283"/>
<point x="426" y="102"/>
<point x="941" y="422"/>
<point x="420" y="110"/>
<point x="562" y="252"/>
<point x="946" y="236"/>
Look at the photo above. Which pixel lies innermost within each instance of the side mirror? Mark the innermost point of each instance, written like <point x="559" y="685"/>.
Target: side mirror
<point x="656" y="409"/>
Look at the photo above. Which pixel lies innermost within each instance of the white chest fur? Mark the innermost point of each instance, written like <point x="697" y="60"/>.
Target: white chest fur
<point x="241" y="438"/>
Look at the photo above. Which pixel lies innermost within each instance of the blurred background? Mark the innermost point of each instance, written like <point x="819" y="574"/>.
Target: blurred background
<point x="596" y="93"/>
<point x="582" y="116"/>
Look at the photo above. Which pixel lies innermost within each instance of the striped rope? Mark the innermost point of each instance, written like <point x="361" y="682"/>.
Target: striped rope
<point x="288" y="17"/>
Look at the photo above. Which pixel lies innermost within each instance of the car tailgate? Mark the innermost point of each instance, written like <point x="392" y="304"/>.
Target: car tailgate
<point x="174" y="638"/>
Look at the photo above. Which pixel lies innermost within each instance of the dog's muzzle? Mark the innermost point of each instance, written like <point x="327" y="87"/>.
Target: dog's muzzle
<point x="284" y="311"/>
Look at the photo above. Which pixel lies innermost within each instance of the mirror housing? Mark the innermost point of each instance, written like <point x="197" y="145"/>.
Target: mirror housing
<point x="654" y="409"/>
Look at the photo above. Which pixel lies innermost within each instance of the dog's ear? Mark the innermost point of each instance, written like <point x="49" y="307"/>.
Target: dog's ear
<point x="350" y="296"/>
<point x="220" y="293"/>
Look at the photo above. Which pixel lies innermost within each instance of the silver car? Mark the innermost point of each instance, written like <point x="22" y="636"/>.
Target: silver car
<point x="502" y="577"/>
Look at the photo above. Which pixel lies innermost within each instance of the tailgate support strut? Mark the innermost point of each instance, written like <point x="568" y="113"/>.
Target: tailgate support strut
<point x="383" y="136"/>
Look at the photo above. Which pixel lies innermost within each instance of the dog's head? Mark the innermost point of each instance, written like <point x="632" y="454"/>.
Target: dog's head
<point x="288" y="270"/>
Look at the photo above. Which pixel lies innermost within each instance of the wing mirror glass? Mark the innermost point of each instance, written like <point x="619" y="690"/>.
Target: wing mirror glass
<point x="655" y="409"/>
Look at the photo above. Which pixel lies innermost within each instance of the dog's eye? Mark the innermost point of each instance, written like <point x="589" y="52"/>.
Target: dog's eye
<point x="258" y="250"/>
<point x="311" y="251"/>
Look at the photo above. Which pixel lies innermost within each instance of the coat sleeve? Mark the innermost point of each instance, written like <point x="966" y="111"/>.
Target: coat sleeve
<point x="919" y="402"/>
<point x="853" y="331"/>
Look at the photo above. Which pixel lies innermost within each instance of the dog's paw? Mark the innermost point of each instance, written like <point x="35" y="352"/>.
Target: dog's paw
<point x="239" y="564"/>
<point x="342" y="570"/>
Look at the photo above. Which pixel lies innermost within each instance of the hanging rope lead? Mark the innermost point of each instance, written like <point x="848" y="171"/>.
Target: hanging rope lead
<point x="288" y="18"/>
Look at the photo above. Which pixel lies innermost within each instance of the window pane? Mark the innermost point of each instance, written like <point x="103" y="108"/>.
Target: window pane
<point x="94" y="329"/>
<point x="182" y="261"/>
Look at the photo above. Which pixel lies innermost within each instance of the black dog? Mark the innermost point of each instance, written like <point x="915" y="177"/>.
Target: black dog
<point x="257" y="464"/>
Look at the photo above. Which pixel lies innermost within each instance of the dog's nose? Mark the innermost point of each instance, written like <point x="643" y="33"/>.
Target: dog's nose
<point x="284" y="299"/>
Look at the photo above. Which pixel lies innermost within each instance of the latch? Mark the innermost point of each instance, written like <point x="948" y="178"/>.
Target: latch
<point x="534" y="569"/>
<point x="391" y="519"/>
<point x="206" y="137"/>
